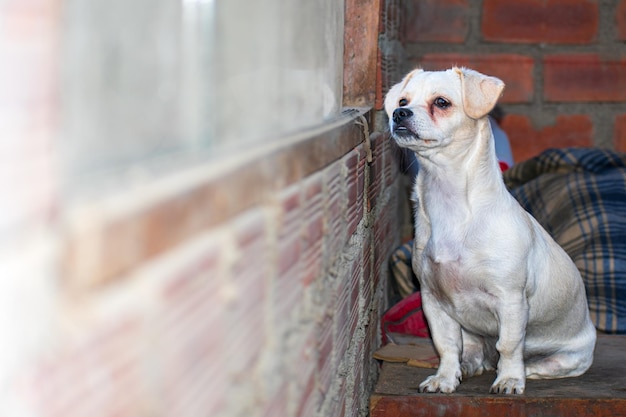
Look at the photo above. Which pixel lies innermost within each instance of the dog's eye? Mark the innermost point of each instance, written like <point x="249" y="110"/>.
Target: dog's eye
<point x="403" y="102"/>
<point x="442" y="103"/>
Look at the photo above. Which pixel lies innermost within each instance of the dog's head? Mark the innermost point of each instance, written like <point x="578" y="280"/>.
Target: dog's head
<point x="434" y="109"/>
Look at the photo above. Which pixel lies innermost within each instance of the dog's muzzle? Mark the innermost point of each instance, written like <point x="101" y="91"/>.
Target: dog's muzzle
<point x="400" y="114"/>
<point x="399" y="118"/>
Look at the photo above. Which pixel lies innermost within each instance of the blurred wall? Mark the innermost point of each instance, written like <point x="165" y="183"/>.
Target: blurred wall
<point x="141" y="275"/>
<point x="562" y="61"/>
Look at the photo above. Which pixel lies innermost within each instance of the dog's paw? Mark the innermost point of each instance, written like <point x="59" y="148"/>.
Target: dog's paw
<point x="508" y="386"/>
<point x="473" y="368"/>
<point x="437" y="383"/>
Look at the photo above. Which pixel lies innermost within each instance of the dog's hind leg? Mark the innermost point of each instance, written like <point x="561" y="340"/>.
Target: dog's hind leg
<point x="562" y="364"/>
<point x="573" y="358"/>
<point x="476" y="357"/>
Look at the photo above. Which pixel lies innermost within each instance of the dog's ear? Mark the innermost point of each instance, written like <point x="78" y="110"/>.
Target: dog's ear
<point x="410" y="75"/>
<point x="480" y="92"/>
<point x="393" y="95"/>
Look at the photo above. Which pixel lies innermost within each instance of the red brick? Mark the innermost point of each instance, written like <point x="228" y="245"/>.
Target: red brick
<point x="313" y="212"/>
<point x="361" y="178"/>
<point x="619" y="138"/>
<point x="342" y="321"/>
<point x="620" y="19"/>
<point x="385" y="236"/>
<point x="314" y="232"/>
<point x="376" y="169"/>
<point x="186" y="298"/>
<point x="313" y="223"/>
<point x="309" y="400"/>
<point x="251" y="267"/>
<point x="288" y="254"/>
<point x="351" y="161"/>
<point x="312" y="258"/>
<point x="367" y="277"/>
<point x="289" y="218"/>
<point x="360" y="52"/>
<point x="515" y="70"/>
<point x="287" y="287"/>
<point x="584" y="77"/>
<point x="355" y="278"/>
<point x="325" y="357"/>
<point x="391" y="166"/>
<point x="354" y="171"/>
<point x="528" y="141"/>
<point x="382" y="231"/>
<point x="540" y="21"/>
<point x="108" y="363"/>
<point x="305" y="380"/>
<point x="250" y="272"/>
<point x="437" y="21"/>
<point x="335" y="216"/>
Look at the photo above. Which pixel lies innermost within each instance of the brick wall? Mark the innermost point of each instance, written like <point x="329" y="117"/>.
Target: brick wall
<point x="562" y="61"/>
<point x="208" y="289"/>
<point x="272" y="311"/>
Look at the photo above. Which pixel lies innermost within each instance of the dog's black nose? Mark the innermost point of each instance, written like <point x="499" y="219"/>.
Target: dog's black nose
<point x="401" y="113"/>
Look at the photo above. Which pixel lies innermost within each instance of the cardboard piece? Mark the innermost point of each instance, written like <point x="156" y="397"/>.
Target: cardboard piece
<point x="420" y="355"/>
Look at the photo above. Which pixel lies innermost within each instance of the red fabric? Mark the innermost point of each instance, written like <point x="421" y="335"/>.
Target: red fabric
<point x="406" y="317"/>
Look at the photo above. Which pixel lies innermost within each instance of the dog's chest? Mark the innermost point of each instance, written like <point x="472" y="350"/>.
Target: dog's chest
<point x="448" y="223"/>
<point x="461" y="291"/>
<point x="452" y="261"/>
<point x="453" y="266"/>
<point x="444" y="268"/>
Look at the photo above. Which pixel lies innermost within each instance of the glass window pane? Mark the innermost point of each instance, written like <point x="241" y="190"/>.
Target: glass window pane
<point x="154" y="80"/>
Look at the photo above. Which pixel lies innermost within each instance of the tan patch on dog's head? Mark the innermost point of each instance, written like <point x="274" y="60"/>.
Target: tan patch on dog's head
<point x="480" y="92"/>
<point x="392" y="99"/>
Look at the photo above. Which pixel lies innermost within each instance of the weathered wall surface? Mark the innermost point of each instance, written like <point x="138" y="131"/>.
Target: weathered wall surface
<point x="243" y="286"/>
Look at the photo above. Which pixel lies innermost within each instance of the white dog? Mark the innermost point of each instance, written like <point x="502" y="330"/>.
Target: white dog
<point x="497" y="290"/>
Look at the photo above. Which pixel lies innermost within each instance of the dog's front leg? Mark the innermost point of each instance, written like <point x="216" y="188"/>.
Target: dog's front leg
<point x="446" y="334"/>
<point x="513" y="317"/>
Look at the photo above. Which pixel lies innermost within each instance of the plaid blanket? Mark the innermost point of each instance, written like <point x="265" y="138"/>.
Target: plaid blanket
<point x="579" y="196"/>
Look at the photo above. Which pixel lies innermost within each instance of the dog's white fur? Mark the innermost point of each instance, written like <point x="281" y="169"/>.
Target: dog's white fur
<point x="497" y="290"/>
